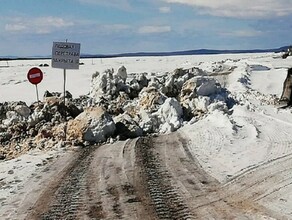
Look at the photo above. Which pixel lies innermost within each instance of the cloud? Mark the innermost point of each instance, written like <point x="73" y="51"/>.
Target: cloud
<point x="164" y="10"/>
<point x="120" y="4"/>
<point x="15" y="27"/>
<point x="154" y="29"/>
<point x="53" y="22"/>
<point x="242" y="33"/>
<point x="40" y="25"/>
<point x="240" y="9"/>
<point x="114" y="28"/>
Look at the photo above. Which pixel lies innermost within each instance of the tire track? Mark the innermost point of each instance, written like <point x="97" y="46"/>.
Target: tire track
<point x="117" y="184"/>
<point x="99" y="184"/>
<point x="165" y="199"/>
<point x="63" y="199"/>
<point x="204" y="200"/>
<point x="171" y="165"/>
<point x="277" y="142"/>
<point x="263" y="180"/>
<point x="228" y="203"/>
<point x="209" y="144"/>
<point x="157" y="178"/>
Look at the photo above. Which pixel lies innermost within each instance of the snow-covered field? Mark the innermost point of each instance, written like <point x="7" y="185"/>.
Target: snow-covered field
<point x="253" y="134"/>
<point x="14" y="85"/>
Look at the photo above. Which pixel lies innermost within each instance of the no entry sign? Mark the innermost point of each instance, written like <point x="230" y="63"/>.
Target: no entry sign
<point x="35" y="75"/>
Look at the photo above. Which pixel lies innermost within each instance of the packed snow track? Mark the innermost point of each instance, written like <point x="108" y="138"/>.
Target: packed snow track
<point x="149" y="178"/>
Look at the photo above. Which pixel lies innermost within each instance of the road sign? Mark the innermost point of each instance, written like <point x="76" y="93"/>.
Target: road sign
<point x="65" y="55"/>
<point x="35" y="75"/>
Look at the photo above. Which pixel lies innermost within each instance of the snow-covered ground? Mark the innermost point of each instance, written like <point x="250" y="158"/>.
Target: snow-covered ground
<point x="254" y="132"/>
<point x="15" y="87"/>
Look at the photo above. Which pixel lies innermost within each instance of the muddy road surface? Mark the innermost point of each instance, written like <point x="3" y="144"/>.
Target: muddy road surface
<point x="146" y="178"/>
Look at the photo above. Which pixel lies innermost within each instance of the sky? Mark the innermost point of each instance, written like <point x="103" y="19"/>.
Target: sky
<point x="29" y="27"/>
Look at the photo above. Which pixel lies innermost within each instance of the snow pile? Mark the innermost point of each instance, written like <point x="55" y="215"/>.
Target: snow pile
<point x="158" y="104"/>
<point x="93" y="125"/>
<point x="118" y="107"/>
<point x="38" y="126"/>
<point x="127" y="127"/>
<point x="125" y="105"/>
<point x="170" y="115"/>
<point x="108" y="84"/>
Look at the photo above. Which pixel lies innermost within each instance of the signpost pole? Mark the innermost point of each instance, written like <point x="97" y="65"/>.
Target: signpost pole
<point x="65" y="116"/>
<point x="37" y="92"/>
<point x="64" y="86"/>
<point x="65" y="128"/>
<point x="64" y="94"/>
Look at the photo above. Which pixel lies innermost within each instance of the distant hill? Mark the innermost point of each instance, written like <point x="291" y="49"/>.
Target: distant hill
<point x="187" y="52"/>
<point x="175" y="53"/>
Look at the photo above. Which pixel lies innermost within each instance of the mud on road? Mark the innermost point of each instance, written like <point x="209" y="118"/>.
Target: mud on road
<point x="145" y="178"/>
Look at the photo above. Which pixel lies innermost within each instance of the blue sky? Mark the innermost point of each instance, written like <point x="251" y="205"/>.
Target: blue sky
<point x="29" y="27"/>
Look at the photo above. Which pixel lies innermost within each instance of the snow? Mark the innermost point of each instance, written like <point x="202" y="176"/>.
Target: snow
<point x="226" y="143"/>
<point x="170" y="115"/>
<point x="14" y="85"/>
<point x="15" y="175"/>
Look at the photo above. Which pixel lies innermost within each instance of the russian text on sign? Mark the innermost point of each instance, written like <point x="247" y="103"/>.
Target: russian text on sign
<point x="65" y="55"/>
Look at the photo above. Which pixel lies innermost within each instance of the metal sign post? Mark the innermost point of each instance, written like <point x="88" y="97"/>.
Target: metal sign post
<point x="65" y="127"/>
<point x="64" y="87"/>
<point x="37" y="93"/>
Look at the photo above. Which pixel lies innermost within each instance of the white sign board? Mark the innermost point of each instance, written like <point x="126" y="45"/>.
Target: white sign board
<point x="65" y="55"/>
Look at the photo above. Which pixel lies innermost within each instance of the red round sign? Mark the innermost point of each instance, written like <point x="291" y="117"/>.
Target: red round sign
<point x="35" y="75"/>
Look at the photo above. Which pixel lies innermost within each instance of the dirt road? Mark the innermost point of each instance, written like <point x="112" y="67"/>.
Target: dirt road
<point x="149" y="178"/>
